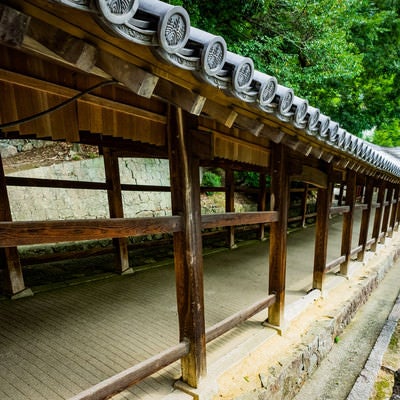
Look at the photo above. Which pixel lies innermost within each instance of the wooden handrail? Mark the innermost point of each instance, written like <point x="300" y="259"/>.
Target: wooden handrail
<point x="36" y="232"/>
<point x="339" y="209"/>
<point x="232" y="219"/>
<point x="228" y="323"/>
<point x="334" y="263"/>
<point x="135" y="374"/>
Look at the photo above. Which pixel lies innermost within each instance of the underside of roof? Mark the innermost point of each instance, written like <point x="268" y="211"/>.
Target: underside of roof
<point x="151" y="48"/>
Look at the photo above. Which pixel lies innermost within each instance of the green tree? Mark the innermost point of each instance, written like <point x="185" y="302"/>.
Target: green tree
<point x="342" y="55"/>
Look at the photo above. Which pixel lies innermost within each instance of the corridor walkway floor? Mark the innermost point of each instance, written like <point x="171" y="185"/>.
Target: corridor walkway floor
<point x="57" y="343"/>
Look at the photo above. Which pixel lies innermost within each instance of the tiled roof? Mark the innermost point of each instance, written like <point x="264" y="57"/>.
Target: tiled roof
<point x="167" y="30"/>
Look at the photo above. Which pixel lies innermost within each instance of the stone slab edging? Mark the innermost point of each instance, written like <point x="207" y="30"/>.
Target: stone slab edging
<point x="364" y="384"/>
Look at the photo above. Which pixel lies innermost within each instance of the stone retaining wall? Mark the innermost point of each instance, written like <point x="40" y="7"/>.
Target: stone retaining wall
<point x="33" y="204"/>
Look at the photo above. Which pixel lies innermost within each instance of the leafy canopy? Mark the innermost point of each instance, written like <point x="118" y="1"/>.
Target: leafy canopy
<point x="342" y="55"/>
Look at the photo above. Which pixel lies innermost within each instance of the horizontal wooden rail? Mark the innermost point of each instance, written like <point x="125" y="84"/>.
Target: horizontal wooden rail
<point x="370" y="242"/>
<point x="339" y="209"/>
<point x="228" y="323"/>
<point x="68" y="184"/>
<point x="54" y="183"/>
<point x="300" y="217"/>
<point x="232" y="219"/>
<point x="26" y="233"/>
<point x="334" y="263"/>
<point x="361" y="206"/>
<point x="356" y="250"/>
<point x="144" y="188"/>
<point x="135" y="374"/>
<point x="376" y="205"/>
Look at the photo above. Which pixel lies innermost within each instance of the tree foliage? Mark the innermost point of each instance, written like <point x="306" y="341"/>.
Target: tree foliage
<point x="342" y="55"/>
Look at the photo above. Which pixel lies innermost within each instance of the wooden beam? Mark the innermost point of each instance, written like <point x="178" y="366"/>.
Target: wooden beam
<point x="225" y="115"/>
<point x="185" y="99"/>
<point x="313" y="176"/>
<point x="395" y="210"/>
<point x="240" y="218"/>
<point x="274" y="134"/>
<point x="365" y="218"/>
<point x="230" y="203"/>
<point x="136" y="79"/>
<point x="185" y="195"/>
<point x="51" y="88"/>
<point x="278" y="232"/>
<point x="324" y="201"/>
<point x="26" y="233"/>
<point x="251" y="125"/>
<point x="116" y="208"/>
<point x="13" y="26"/>
<point x="262" y="201"/>
<point x="75" y="51"/>
<point x="10" y="266"/>
<point x="386" y="212"/>
<point x="348" y="219"/>
<point x="376" y="230"/>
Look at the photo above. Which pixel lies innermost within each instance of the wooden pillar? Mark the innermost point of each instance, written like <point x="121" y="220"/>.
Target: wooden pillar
<point x="262" y="201"/>
<point x="348" y="218"/>
<point x="116" y="208"/>
<point x="365" y="218"/>
<point x="304" y="205"/>
<point x="376" y="230"/>
<point x="230" y="203"/>
<point x="185" y="192"/>
<point x="11" y="277"/>
<point x="386" y="212"/>
<point x="395" y="211"/>
<point x="340" y="197"/>
<point x="324" y="202"/>
<point x="278" y="232"/>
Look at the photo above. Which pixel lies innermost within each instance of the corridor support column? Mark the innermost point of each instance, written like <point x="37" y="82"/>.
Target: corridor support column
<point x="185" y="196"/>
<point x="278" y="232"/>
<point x="11" y="277"/>
<point x="324" y="201"/>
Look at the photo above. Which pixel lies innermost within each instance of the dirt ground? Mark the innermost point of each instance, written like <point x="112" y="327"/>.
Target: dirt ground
<point x="51" y="153"/>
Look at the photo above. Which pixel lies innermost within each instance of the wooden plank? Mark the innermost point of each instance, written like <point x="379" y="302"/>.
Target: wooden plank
<point x="335" y="263"/>
<point x="10" y="265"/>
<point x="339" y="210"/>
<point x="25" y="233"/>
<point x="312" y="176"/>
<point x="278" y="232"/>
<point x="116" y="208"/>
<point x="242" y="218"/>
<point x="227" y="324"/>
<point x="136" y="79"/>
<point x="13" y="26"/>
<point x="222" y="114"/>
<point x="185" y="191"/>
<point x="90" y="99"/>
<point x="74" y="50"/>
<point x="189" y="101"/>
<point x="272" y="133"/>
<point x="348" y="219"/>
<point x="135" y="374"/>
<point x="324" y="200"/>
<point x="365" y="218"/>
<point x="54" y="183"/>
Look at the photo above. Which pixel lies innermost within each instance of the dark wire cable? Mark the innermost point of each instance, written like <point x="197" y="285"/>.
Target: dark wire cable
<point x="58" y="106"/>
